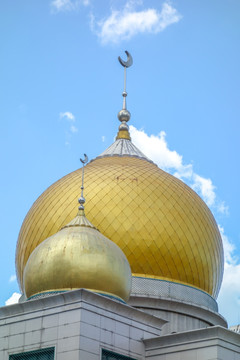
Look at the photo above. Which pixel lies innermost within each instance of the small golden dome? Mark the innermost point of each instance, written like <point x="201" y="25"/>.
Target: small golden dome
<point x="78" y="256"/>
<point x="163" y="227"/>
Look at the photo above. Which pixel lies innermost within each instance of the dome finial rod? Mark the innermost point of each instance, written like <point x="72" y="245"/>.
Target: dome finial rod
<point x="82" y="200"/>
<point x="125" y="64"/>
<point x="124" y="115"/>
<point x="124" y="94"/>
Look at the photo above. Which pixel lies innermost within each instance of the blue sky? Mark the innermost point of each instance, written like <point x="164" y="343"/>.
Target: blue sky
<point x="60" y="91"/>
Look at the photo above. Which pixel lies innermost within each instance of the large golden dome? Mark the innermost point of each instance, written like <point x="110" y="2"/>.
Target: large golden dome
<point x="78" y="256"/>
<point x="163" y="227"/>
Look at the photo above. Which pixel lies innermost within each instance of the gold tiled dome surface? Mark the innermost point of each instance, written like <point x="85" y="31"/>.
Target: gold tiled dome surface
<point x="163" y="227"/>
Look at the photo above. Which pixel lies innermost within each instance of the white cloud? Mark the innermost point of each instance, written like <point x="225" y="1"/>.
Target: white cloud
<point x="62" y="5"/>
<point x="206" y="188"/>
<point x="222" y="208"/>
<point x="12" y="278"/>
<point x="13" y="299"/>
<point x="125" y="23"/>
<point x="68" y="116"/>
<point x="230" y="290"/>
<point x="73" y="129"/>
<point x="103" y="138"/>
<point x="67" y="5"/>
<point x="229" y="248"/>
<point x="156" y="148"/>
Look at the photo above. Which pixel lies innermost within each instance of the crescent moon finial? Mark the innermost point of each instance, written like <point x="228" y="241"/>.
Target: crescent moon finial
<point x="129" y="61"/>
<point x="85" y="159"/>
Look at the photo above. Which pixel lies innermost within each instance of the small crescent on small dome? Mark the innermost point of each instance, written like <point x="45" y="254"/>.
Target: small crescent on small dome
<point x="85" y="159"/>
<point x="129" y="61"/>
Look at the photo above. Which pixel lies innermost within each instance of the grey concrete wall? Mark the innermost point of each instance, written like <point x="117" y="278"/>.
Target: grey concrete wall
<point x="214" y="343"/>
<point x="78" y="324"/>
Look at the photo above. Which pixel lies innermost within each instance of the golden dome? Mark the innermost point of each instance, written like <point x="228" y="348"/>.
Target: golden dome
<point x="78" y="256"/>
<point x="163" y="227"/>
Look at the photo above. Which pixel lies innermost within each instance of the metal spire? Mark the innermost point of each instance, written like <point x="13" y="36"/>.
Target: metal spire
<point x="124" y="115"/>
<point x="81" y="200"/>
<point x="80" y="219"/>
<point x="125" y="64"/>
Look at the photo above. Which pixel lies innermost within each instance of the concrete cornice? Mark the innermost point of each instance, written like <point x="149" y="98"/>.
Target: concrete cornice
<point x="217" y="333"/>
<point x="201" y="313"/>
<point x="77" y="299"/>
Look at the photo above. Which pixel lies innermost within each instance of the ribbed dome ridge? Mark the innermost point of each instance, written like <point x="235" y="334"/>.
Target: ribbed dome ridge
<point x="123" y="147"/>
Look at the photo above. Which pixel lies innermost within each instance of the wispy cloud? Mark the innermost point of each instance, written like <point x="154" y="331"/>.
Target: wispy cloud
<point x="13" y="299"/>
<point x="67" y="115"/>
<point x="12" y="278"/>
<point x="123" y="24"/>
<point x="67" y="5"/>
<point x="156" y="148"/>
<point x="205" y="187"/>
<point x="71" y="128"/>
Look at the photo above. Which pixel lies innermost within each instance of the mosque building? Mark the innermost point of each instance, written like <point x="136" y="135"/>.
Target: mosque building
<point x="132" y="273"/>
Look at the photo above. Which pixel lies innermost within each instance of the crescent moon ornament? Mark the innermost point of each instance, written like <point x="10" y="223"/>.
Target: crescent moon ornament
<point x="127" y="63"/>
<point x="85" y="159"/>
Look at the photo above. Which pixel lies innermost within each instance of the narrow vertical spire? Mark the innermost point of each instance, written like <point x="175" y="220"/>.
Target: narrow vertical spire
<point x="80" y="219"/>
<point x="82" y="200"/>
<point x="124" y="115"/>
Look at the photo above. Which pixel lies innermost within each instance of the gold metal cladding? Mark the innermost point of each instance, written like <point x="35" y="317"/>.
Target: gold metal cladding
<point x="162" y="225"/>
<point x="78" y="257"/>
<point x="123" y="134"/>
